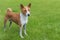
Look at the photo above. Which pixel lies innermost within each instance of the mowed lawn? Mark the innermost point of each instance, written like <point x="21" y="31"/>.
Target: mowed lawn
<point x="44" y="22"/>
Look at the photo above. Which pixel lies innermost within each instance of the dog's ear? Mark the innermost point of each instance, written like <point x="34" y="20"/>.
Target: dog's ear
<point x="29" y="5"/>
<point x="21" y="6"/>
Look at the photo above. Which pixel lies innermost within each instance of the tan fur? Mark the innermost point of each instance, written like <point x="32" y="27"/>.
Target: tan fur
<point x="15" y="17"/>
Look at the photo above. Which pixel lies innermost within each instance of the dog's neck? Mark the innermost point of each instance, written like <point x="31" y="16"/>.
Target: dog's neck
<point x="23" y="18"/>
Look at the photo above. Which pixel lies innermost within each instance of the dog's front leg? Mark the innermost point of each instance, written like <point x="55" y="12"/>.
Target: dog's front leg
<point x="21" y="31"/>
<point x="24" y="26"/>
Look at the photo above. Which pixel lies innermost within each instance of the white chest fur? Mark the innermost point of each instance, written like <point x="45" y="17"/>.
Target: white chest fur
<point x="23" y="19"/>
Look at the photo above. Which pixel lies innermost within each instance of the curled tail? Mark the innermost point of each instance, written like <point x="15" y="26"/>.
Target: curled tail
<point x="9" y="10"/>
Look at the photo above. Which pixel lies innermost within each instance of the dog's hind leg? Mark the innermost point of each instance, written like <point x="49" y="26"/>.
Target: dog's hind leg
<point x="10" y="23"/>
<point x="5" y="21"/>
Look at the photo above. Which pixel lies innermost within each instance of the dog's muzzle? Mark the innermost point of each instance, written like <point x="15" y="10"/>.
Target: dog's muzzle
<point x="28" y="13"/>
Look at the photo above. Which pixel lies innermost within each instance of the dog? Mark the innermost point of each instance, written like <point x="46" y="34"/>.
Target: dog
<point x="20" y="19"/>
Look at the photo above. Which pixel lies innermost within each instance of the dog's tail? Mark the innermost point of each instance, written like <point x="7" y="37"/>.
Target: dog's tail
<point x="9" y="10"/>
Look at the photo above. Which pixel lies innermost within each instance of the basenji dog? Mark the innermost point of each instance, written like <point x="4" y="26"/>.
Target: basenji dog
<point x="20" y="19"/>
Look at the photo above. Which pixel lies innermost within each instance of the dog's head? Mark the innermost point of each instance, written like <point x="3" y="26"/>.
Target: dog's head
<point x="25" y="9"/>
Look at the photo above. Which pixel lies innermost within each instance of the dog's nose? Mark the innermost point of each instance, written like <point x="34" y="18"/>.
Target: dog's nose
<point x="28" y="14"/>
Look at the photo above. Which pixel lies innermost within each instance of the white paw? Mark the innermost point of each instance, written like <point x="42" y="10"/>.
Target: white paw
<point x="26" y="34"/>
<point x="21" y="36"/>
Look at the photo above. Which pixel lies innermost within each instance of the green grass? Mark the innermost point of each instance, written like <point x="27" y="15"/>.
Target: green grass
<point x="44" y="22"/>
